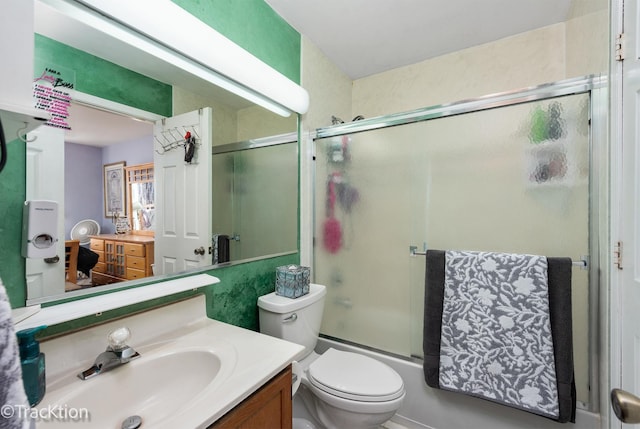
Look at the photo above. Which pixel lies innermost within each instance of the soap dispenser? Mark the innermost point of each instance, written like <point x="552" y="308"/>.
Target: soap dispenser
<point x="33" y="368"/>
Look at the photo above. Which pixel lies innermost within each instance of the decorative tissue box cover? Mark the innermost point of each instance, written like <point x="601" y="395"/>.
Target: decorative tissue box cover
<point x="292" y="281"/>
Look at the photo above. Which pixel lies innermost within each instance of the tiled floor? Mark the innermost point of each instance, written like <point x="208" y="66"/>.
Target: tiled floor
<point x="392" y="425"/>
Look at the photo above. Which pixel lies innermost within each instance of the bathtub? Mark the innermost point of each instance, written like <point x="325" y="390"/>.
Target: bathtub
<point x="427" y="408"/>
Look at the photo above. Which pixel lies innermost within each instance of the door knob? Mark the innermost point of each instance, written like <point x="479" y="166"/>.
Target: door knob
<point x="199" y="251"/>
<point x="626" y="406"/>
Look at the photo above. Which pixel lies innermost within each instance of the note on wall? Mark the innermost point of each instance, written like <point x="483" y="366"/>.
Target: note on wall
<point x="52" y="89"/>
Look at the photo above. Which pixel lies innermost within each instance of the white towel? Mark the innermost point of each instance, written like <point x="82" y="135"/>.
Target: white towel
<point x="14" y="406"/>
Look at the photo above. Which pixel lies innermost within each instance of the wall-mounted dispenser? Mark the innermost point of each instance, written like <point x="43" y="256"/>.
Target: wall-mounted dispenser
<point x="39" y="229"/>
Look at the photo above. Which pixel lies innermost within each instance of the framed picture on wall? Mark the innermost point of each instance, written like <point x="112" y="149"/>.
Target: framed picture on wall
<point x="114" y="189"/>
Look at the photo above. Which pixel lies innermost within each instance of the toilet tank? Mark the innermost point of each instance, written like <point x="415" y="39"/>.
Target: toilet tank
<point x="297" y="320"/>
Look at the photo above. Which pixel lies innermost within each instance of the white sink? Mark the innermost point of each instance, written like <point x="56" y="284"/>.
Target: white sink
<point x="190" y="372"/>
<point x="152" y="387"/>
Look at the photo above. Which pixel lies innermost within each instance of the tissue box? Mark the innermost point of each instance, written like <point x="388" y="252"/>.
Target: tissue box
<point x="292" y="281"/>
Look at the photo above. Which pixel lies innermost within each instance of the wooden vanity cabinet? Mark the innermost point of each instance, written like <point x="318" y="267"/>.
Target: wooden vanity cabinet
<point x="121" y="257"/>
<point x="269" y="407"/>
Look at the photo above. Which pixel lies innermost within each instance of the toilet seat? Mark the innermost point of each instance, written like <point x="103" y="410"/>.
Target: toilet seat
<point x="355" y="377"/>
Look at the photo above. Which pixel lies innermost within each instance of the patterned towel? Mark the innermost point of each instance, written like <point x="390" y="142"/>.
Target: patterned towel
<point x="13" y="399"/>
<point x="498" y="327"/>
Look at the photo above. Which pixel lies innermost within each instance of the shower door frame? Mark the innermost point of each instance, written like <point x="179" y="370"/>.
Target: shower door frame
<point x="597" y="88"/>
<point x="255" y="143"/>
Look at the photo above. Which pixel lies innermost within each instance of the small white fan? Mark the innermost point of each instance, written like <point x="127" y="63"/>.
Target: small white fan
<point x="83" y="229"/>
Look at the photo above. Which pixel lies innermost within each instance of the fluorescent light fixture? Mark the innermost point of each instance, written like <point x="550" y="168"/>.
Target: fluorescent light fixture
<point x="169" y="33"/>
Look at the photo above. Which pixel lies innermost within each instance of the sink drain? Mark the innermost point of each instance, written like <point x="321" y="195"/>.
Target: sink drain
<point x="132" y="422"/>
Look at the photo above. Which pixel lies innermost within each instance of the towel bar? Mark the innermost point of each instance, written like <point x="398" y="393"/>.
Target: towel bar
<point x="583" y="263"/>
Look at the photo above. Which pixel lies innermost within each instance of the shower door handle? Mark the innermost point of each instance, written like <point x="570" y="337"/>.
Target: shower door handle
<point x="626" y="406"/>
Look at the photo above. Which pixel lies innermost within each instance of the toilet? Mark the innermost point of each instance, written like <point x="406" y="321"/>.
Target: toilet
<point x="339" y="389"/>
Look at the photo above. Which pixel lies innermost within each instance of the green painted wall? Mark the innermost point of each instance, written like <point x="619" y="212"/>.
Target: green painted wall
<point x="235" y="299"/>
<point x="13" y="192"/>
<point x="253" y="25"/>
<point x="104" y="79"/>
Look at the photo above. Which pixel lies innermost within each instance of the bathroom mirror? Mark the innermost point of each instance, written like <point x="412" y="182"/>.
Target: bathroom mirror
<point x="234" y="120"/>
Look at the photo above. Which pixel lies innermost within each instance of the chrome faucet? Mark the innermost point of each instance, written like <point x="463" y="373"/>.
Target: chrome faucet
<point x="117" y="354"/>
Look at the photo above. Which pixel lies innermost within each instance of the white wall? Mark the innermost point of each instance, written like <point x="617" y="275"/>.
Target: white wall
<point x="575" y="48"/>
<point x="225" y="122"/>
<point x="518" y="61"/>
<point x="329" y="88"/>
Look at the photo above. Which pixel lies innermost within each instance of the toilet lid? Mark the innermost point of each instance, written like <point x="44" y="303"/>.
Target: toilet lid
<point x="355" y="376"/>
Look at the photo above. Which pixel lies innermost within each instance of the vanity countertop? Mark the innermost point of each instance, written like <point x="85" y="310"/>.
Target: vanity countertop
<point x="246" y="360"/>
<point x="129" y="237"/>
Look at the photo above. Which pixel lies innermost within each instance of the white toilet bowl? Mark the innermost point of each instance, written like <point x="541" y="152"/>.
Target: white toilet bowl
<point x="339" y="389"/>
<point x="349" y="390"/>
<point x="332" y="417"/>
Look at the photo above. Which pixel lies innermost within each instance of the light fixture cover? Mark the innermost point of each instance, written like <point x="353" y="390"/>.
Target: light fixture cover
<point x="204" y="45"/>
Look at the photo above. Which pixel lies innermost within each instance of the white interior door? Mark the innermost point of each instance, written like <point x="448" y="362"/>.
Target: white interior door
<point x="183" y="193"/>
<point x="45" y="181"/>
<point x="625" y="304"/>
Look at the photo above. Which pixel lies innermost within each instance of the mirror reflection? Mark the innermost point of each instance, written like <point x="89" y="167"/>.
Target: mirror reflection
<point x="255" y="198"/>
<point x="118" y="246"/>
<point x="254" y="208"/>
<point x="108" y="153"/>
<point x="141" y="198"/>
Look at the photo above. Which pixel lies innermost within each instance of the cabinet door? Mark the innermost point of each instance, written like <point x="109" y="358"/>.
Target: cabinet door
<point x="114" y="256"/>
<point x="269" y="407"/>
<point x="119" y="258"/>
<point x="109" y="257"/>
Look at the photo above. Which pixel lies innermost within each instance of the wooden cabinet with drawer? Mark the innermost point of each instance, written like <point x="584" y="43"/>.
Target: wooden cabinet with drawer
<point x="121" y="257"/>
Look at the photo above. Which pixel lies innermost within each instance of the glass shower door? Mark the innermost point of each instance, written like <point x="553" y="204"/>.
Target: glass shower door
<point x="512" y="179"/>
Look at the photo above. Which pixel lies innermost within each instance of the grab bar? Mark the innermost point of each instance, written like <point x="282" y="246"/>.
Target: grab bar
<point x="583" y="263"/>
